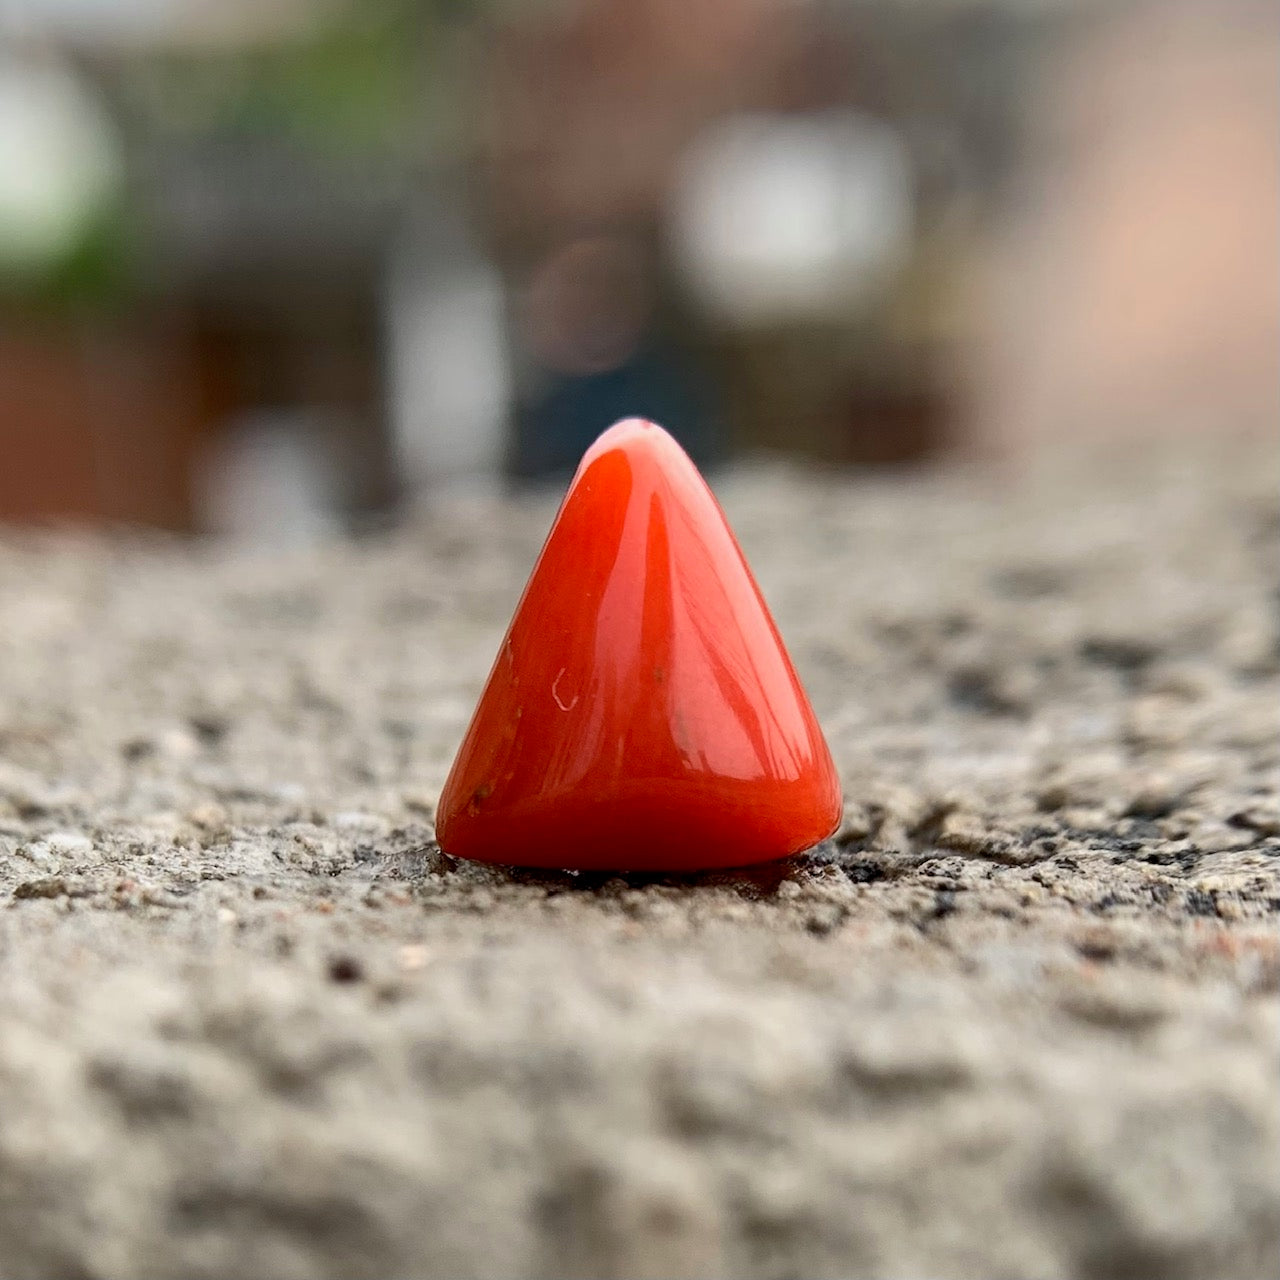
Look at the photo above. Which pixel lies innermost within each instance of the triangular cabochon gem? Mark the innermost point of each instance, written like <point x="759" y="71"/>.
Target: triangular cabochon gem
<point x="642" y="713"/>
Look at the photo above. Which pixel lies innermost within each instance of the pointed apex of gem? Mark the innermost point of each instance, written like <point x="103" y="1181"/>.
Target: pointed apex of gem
<point x="631" y="433"/>
<point x="642" y="713"/>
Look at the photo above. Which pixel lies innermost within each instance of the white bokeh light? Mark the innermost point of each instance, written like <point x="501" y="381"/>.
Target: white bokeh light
<point x="776" y="217"/>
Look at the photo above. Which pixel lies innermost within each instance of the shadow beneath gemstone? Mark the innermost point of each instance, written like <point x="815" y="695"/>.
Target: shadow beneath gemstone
<point x="758" y="882"/>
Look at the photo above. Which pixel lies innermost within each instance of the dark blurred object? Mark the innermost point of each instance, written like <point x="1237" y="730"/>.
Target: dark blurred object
<point x="588" y="322"/>
<point x="554" y="431"/>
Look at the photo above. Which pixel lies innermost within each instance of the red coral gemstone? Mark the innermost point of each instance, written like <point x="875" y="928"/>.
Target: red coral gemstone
<point x="642" y="714"/>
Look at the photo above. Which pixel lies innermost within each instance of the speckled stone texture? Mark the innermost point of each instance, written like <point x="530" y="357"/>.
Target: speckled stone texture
<point x="1017" y="1020"/>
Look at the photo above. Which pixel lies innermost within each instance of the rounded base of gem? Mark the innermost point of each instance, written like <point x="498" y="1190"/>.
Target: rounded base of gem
<point x="641" y="834"/>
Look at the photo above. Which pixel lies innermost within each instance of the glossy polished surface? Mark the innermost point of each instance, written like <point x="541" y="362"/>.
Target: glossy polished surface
<point x="642" y="713"/>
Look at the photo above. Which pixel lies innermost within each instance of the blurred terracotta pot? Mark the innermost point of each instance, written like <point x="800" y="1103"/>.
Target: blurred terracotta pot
<point x="95" y="424"/>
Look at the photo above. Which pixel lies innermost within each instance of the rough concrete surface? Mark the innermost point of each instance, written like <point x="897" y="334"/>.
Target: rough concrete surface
<point x="1018" y="1019"/>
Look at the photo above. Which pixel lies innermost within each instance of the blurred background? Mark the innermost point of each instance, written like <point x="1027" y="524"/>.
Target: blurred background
<point x="276" y="267"/>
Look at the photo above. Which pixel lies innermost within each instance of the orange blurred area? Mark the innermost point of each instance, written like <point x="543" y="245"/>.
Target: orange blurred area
<point x="274" y="269"/>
